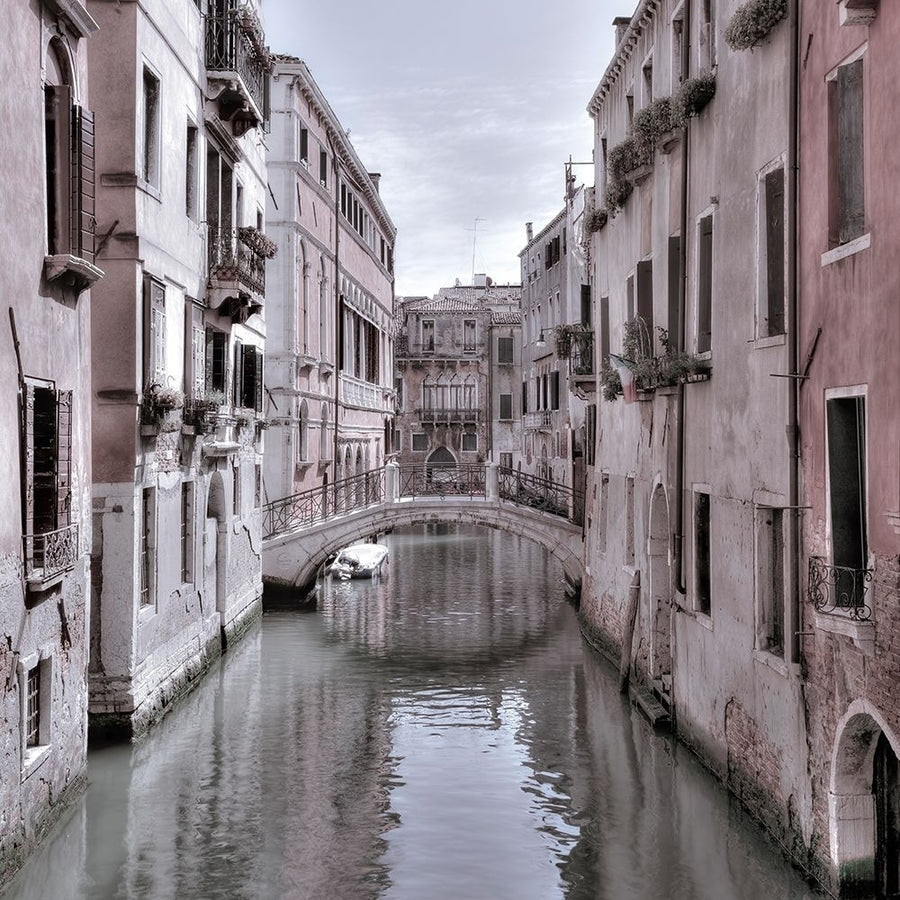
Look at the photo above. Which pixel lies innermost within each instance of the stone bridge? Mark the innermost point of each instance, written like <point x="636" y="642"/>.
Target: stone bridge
<point x="301" y="531"/>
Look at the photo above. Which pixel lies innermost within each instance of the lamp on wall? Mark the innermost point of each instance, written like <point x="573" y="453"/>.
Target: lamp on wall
<point x="542" y="341"/>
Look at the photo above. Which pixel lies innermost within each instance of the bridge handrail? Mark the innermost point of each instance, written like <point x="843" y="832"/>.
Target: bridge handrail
<point x="435" y="480"/>
<point x="321" y="503"/>
<point x="542" y="493"/>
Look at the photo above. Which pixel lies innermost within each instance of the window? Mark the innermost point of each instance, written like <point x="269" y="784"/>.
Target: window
<point x="590" y="433"/>
<point x="51" y="541"/>
<point x="397" y="444"/>
<point x="154" y="331"/>
<point x="647" y="73"/>
<point x="419" y="441"/>
<point x="645" y="302"/>
<point x="323" y="168"/>
<point x="191" y="156"/>
<point x="248" y="376"/>
<point x="702" y="596"/>
<point x="677" y="47"/>
<point x="673" y="288"/>
<point x="187" y="531"/>
<point x="304" y="145"/>
<point x="585" y="304"/>
<point x="303" y="433"/>
<point x="236" y="495"/>
<point x="469" y="335"/>
<point x="506" y="460"/>
<point x="603" y="522"/>
<point x="68" y="166"/>
<point x="846" y="175"/>
<point x="554" y="390"/>
<point x="604" y="329"/>
<point x="257" y="485"/>
<point x="505" y="351"/>
<point x="846" y="434"/>
<point x="150" y="135"/>
<point x="147" y="550"/>
<point x="629" y="521"/>
<point x="704" y="284"/>
<point x="33" y="707"/>
<point x="469" y="441"/>
<point x="707" y="49"/>
<point x="505" y="407"/>
<point x="770" y="580"/>
<point x="524" y="397"/>
<point x="629" y="298"/>
<point x="428" y="336"/>
<point x="215" y="360"/>
<point x="194" y="350"/>
<point x="771" y="253"/>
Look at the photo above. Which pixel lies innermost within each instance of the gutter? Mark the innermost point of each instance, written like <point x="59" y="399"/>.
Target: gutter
<point x="338" y="331"/>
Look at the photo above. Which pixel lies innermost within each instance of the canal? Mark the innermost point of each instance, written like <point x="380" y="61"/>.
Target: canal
<point x="442" y="732"/>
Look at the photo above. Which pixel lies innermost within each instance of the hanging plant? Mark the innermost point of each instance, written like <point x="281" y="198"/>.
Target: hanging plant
<point x="617" y="193"/>
<point x="610" y="382"/>
<point x="624" y="158"/>
<point x="752" y="22"/>
<point x="256" y="240"/>
<point x="596" y="219"/>
<point x="651" y="124"/>
<point x="692" y="96"/>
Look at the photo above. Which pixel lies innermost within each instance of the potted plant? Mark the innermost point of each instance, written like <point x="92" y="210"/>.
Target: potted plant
<point x="201" y="412"/>
<point x="752" y="22"/>
<point x="651" y="125"/>
<point x="692" y="97"/>
<point x="257" y="241"/>
<point x="159" y="406"/>
<point x="596" y="219"/>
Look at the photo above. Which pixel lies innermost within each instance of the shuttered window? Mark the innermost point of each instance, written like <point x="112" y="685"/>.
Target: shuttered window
<point x="248" y="377"/>
<point x="645" y="304"/>
<point x="554" y="390"/>
<point x="774" y="249"/>
<point x="704" y="285"/>
<point x="846" y="429"/>
<point x="154" y="331"/>
<point x="215" y="360"/>
<point x="506" y="407"/>
<point x="847" y="116"/>
<point x="505" y="351"/>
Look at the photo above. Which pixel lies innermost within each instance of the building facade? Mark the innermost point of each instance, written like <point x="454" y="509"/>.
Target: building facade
<point x="850" y="427"/>
<point x="178" y="338"/>
<point x="458" y="367"/>
<point x="557" y="345"/>
<point x="46" y="205"/>
<point x="692" y="522"/>
<point x="330" y="348"/>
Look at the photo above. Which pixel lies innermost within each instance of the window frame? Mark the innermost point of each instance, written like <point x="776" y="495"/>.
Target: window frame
<point x="150" y="143"/>
<point x="701" y="540"/>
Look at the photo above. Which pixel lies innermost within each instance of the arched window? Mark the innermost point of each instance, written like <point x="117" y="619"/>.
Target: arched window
<point x="324" y="447"/>
<point x="303" y="433"/>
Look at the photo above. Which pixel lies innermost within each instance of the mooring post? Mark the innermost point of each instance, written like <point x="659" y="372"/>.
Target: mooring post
<point x="492" y="481"/>
<point x="391" y="482"/>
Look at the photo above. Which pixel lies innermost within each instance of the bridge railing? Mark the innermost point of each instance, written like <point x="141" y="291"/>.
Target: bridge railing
<point x="321" y="503"/>
<point x="442" y="481"/>
<point x="541" y="493"/>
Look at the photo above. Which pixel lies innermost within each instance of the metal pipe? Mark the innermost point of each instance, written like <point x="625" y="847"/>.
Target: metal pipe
<point x="337" y="302"/>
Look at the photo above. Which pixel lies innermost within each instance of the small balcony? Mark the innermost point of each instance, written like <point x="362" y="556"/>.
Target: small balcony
<point x="237" y="271"/>
<point x="537" y="421"/>
<point x="451" y="416"/>
<point x="582" y="381"/>
<point x="49" y="555"/>
<point x="364" y="394"/>
<point x="839" y="590"/>
<point x="237" y="66"/>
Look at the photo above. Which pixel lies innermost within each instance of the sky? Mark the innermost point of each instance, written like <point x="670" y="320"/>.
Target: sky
<point x="469" y="110"/>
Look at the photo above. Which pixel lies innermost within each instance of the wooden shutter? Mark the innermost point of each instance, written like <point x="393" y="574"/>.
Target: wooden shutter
<point x="63" y="457"/>
<point x="585" y="304"/>
<point x="260" y="381"/>
<point x="704" y="288"/>
<point x="154" y="330"/>
<point x="674" y="289"/>
<point x="238" y="374"/>
<point x="604" y="329"/>
<point x="775" y="251"/>
<point x="248" y="378"/>
<point x="645" y="303"/>
<point x="629" y="298"/>
<point x="83" y="184"/>
<point x="28" y="457"/>
<point x="851" y="184"/>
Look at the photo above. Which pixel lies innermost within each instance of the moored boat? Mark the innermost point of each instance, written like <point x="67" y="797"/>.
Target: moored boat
<point x="359" y="561"/>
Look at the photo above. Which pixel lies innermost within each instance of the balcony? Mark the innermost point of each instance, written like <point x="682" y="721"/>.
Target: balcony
<point x="839" y="590"/>
<point x="582" y="381"/>
<point x="237" y="66"/>
<point x="537" y="421"/>
<point x="363" y="394"/>
<point x="454" y="416"/>
<point x="237" y="271"/>
<point x="49" y="555"/>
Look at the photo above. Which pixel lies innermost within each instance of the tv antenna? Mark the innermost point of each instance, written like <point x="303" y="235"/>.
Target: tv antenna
<point x="474" y="231"/>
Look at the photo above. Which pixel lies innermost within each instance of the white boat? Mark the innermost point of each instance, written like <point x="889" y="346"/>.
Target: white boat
<point x="359" y="561"/>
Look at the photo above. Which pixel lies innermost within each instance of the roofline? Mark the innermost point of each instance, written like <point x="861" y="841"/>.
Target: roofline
<point x="336" y="134"/>
<point x="545" y="230"/>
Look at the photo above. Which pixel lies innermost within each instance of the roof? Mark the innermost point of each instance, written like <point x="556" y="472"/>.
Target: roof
<point x="506" y="318"/>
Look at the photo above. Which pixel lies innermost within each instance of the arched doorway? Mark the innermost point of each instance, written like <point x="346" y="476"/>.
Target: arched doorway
<point x="865" y="804"/>
<point x="440" y="459"/>
<point x="661" y="609"/>
<point x="215" y="537"/>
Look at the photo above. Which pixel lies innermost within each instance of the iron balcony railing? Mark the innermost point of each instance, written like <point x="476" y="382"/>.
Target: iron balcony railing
<point x="230" y="48"/>
<point x="447" y="416"/>
<point x="51" y="553"/>
<point x="543" y="494"/>
<point x="321" y="503"/>
<point x="839" y="589"/>
<point x="232" y="259"/>
<point x="581" y="353"/>
<point x="442" y="481"/>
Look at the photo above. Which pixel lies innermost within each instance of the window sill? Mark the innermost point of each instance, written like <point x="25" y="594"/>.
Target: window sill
<point x="849" y="249"/>
<point x="894" y="520"/>
<point x="73" y="270"/>
<point x="147" y="611"/>
<point x="772" y="340"/>
<point x="861" y="633"/>
<point x="149" y="189"/>
<point x="34" y="759"/>
<point x="36" y="583"/>
<point x="771" y="661"/>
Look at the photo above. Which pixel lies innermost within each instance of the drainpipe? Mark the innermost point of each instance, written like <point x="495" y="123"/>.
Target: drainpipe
<point x="794" y="384"/>
<point x="490" y="390"/>
<point x="337" y="302"/>
<point x="678" y="536"/>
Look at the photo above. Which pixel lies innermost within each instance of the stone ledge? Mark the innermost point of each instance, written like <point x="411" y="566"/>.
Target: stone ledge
<point x="861" y="633"/>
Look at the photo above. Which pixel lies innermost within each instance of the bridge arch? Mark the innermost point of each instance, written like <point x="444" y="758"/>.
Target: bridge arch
<point x="292" y="560"/>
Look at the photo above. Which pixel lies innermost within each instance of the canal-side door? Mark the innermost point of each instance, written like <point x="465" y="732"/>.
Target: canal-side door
<point x="887" y="820"/>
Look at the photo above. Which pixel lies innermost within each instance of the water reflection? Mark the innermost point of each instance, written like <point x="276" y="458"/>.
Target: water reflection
<point x="440" y="733"/>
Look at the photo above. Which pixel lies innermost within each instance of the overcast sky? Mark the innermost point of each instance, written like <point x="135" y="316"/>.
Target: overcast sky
<point x="469" y="109"/>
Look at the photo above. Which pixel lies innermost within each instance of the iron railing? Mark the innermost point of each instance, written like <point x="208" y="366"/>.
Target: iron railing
<point x="446" y="416"/>
<point x="230" y="48"/>
<point x="321" y="503"/>
<point x="51" y="553"/>
<point x="231" y="259"/>
<point x="581" y="353"/>
<point x="442" y="481"/>
<point x="543" y="494"/>
<point x="839" y="589"/>
<point x="539" y="419"/>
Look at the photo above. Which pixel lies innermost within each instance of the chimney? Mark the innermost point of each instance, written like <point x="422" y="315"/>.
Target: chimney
<point x="621" y="24"/>
<point x="529" y="231"/>
<point x="480" y="281"/>
<point x="376" y="180"/>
